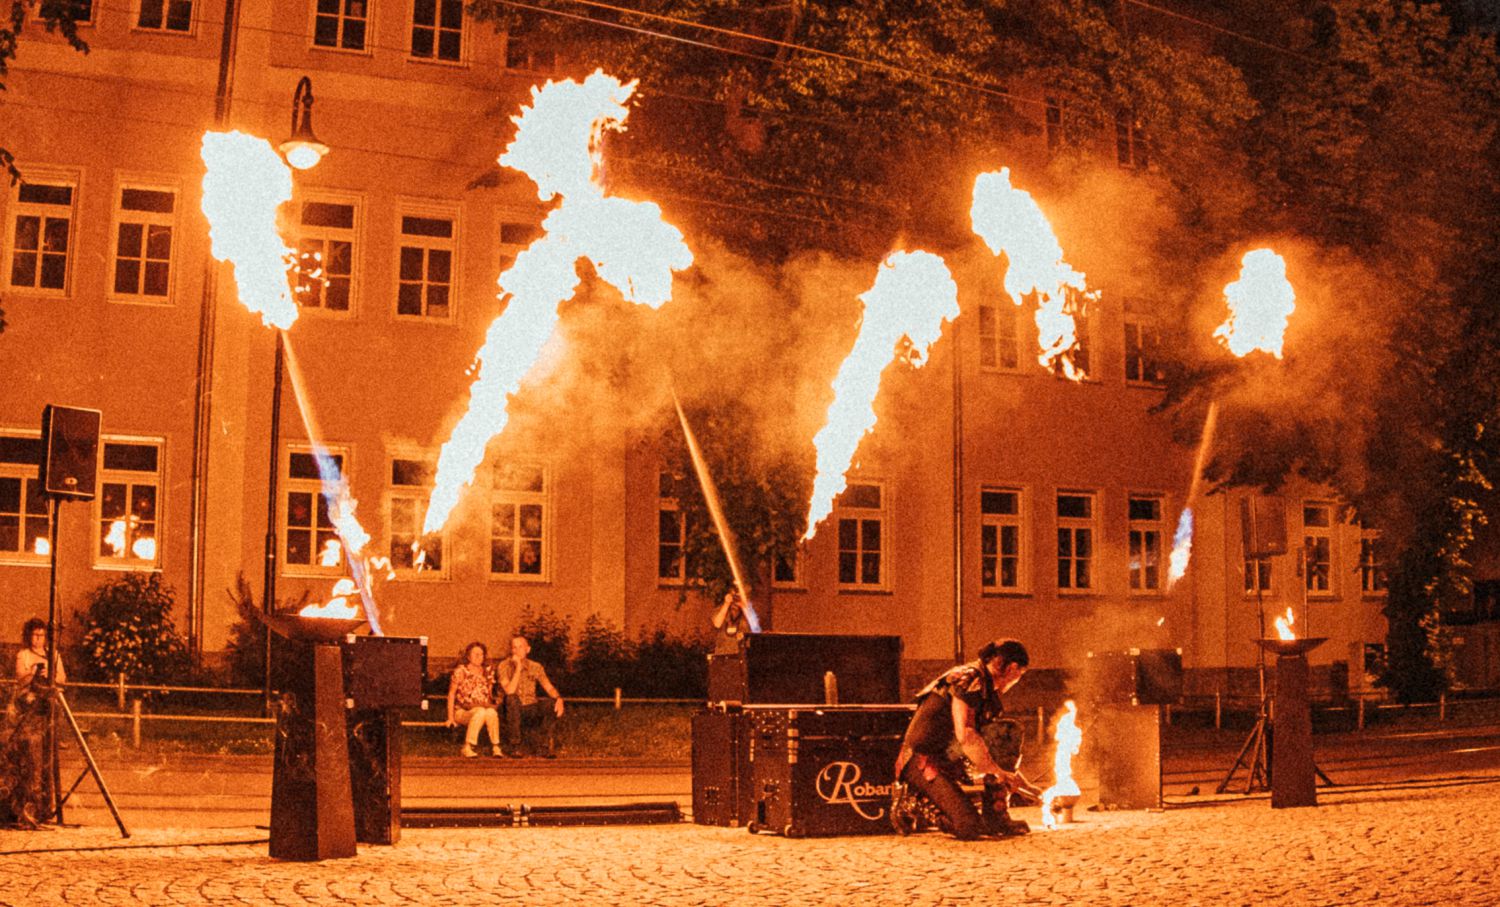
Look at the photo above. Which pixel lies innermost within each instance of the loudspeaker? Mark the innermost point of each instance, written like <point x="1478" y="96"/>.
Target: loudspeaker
<point x="788" y="668"/>
<point x="1263" y="526"/>
<point x="70" y="451"/>
<point x="1134" y="677"/>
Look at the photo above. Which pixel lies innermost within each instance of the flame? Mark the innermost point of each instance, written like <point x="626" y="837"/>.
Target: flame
<point x="329" y="556"/>
<point x="115" y="538"/>
<point x="1182" y="539"/>
<point x="1010" y="221"/>
<point x="1260" y="303"/>
<point x="1069" y="738"/>
<point x="42" y="546"/>
<point x="338" y="605"/>
<point x="245" y="183"/>
<point x="558" y="144"/>
<point x="1284" y="625"/>
<point x="144" y="548"/>
<point x="913" y="296"/>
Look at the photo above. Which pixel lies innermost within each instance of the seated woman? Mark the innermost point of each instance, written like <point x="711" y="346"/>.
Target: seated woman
<point x="24" y="791"/>
<point x="471" y="698"/>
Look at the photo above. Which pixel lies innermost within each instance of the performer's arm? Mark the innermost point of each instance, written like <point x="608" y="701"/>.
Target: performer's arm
<point x="973" y="744"/>
<point x="723" y="613"/>
<point x="510" y="686"/>
<point x="557" y="703"/>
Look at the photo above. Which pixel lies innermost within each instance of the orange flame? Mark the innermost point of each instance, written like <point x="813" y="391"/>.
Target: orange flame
<point x="1010" y="221"/>
<point x="1069" y="738"/>
<point x="557" y="144"/>
<point x="1284" y="625"/>
<point x="913" y="296"/>
<point x="338" y="605"/>
<point x="1260" y="303"/>
<point x="245" y="183"/>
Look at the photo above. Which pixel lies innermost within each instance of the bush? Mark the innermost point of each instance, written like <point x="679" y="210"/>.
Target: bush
<point x="668" y="667"/>
<point x="129" y="630"/>
<point x="247" y="635"/>
<point x="549" y="635"/>
<point x="603" y="660"/>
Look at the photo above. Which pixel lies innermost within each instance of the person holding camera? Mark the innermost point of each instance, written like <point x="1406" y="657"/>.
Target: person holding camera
<point x="24" y="792"/>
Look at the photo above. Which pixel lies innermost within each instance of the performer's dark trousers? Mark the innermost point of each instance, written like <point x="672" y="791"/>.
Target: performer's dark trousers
<point x="539" y="712"/>
<point x="925" y="776"/>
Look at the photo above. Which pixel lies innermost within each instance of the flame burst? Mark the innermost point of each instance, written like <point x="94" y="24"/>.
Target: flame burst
<point x="1010" y="221"/>
<point x="558" y="144"/>
<point x="245" y="183"/>
<point x="1260" y="304"/>
<point x="913" y="296"/>
<point x="42" y="546"/>
<point x="1284" y="625"/>
<point x="338" y="605"/>
<point x="1069" y="738"/>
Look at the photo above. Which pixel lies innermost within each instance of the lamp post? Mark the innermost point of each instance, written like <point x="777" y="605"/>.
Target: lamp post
<point x="302" y="151"/>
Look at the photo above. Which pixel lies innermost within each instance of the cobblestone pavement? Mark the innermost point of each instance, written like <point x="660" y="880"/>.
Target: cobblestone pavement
<point x="1431" y="842"/>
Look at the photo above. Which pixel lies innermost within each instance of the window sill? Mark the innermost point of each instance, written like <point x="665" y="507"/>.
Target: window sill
<point x="301" y="572"/>
<point x="33" y="561"/>
<point x="420" y="576"/>
<point x="446" y="321"/>
<point x="775" y="589"/>
<point x="128" y="566"/>
<point x="164" y="302"/>
<point x="191" y="32"/>
<point x="438" y="61"/>
<point x="39" y="293"/>
<point x="1079" y="593"/>
<point x="509" y="580"/>
<point x="1004" y="593"/>
<point x="1145" y="385"/>
<point x="346" y="51"/>
<point x="864" y="590"/>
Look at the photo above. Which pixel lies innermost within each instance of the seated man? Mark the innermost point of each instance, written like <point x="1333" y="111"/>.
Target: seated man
<point x="958" y="717"/>
<point x="519" y="678"/>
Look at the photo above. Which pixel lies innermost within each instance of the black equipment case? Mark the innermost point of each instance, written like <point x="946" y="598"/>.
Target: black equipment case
<point x="721" y="768"/>
<point x="823" y="770"/>
<point x="787" y="668"/>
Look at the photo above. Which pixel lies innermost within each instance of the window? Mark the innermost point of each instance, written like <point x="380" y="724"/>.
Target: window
<point x="1317" y="547"/>
<point x="1372" y="578"/>
<point x="786" y="572"/>
<point x="437" y="29"/>
<point x="1257" y="576"/>
<point x="1075" y="540"/>
<point x="522" y="52"/>
<point x="426" y="267"/>
<point x="166" y="15"/>
<point x="1145" y="543"/>
<point x="514" y="237"/>
<point x="671" y="530"/>
<point x="1000" y="534"/>
<point x="310" y="543"/>
<point x="410" y="552"/>
<point x="25" y="522"/>
<point x="999" y="345"/>
<point x="518" y="526"/>
<point x="340" y="24"/>
<point x="41" y="228"/>
<point x="861" y="518"/>
<point x="1130" y="144"/>
<point x="1141" y="364"/>
<point x="325" y="256"/>
<point x="1081" y="353"/>
<point x="129" y="504"/>
<point x="1053" y="123"/>
<point x="143" y="244"/>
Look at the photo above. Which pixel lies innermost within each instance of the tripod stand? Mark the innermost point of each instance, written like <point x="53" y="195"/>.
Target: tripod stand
<point x="1257" y="744"/>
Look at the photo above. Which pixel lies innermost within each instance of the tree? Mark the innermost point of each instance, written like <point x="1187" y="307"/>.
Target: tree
<point x="61" y="16"/>
<point x="129" y="630"/>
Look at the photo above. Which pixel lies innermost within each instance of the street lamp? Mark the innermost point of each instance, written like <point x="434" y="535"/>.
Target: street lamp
<point x="302" y="151"/>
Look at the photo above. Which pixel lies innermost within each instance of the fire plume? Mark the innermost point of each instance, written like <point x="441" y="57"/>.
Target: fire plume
<point x="912" y="297"/>
<point x="42" y="546"/>
<point x="558" y="144"/>
<point x="338" y="605"/>
<point x="1284" y="625"/>
<point x="1260" y="303"/>
<point x="1069" y="739"/>
<point x="246" y="182"/>
<point x="1009" y="220"/>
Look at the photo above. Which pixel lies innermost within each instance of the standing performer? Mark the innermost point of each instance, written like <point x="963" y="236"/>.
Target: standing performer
<point x="25" y="795"/>
<point x="960" y="713"/>
<point x="731" y="623"/>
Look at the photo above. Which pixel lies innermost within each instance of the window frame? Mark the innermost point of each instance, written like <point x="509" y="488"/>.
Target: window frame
<point x="993" y="343"/>
<point x="1163" y="550"/>
<point x="366" y="47"/>
<point x="437" y="30"/>
<point x="132" y="479"/>
<point x="1148" y="343"/>
<point x="139" y="7"/>
<point x="1329" y="534"/>
<point x="843" y="511"/>
<point x="670" y="504"/>
<point x="1373" y="576"/>
<point x="1073" y="525"/>
<point x="26" y="473"/>
<point x="427" y="244"/>
<point x="354" y="236"/>
<point x="1132" y="150"/>
<point x="1021" y="521"/>
<point x="519" y="499"/>
<point x="43" y="176"/>
<point x="147" y="218"/>
<point x="798" y="582"/>
<point x="420" y="494"/>
<point x="300" y="485"/>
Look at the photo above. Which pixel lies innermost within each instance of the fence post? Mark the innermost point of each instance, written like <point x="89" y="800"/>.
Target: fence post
<point x="1442" y="707"/>
<point x="1218" y="710"/>
<point x="1359" y="721"/>
<point x="135" y="723"/>
<point x="617" y="699"/>
<point x="120" y="691"/>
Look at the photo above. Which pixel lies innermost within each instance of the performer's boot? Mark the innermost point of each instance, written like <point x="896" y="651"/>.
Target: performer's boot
<point x="996" y="815"/>
<point x="905" y="818"/>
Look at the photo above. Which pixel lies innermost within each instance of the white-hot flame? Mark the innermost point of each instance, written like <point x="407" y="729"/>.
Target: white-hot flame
<point x="1260" y="304"/>
<point x="338" y="605"/>
<point x="558" y="144"/>
<point x="115" y="538"/>
<point x="913" y="296"/>
<point x="245" y="183"/>
<point x="1010" y="221"/>
<point x="1284" y="625"/>
<point x="42" y="546"/>
<point x="1069" y="739"/>
<point x="144" y="548"/>
<point x="329" y="555"/>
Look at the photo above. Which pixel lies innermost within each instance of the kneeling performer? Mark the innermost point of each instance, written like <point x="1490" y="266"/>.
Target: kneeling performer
<point x="960" y="712"/>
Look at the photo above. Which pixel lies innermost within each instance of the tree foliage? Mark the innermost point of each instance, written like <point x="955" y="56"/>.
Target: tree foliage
<point x="61" y="16"/>
<point x="129" y="630"/>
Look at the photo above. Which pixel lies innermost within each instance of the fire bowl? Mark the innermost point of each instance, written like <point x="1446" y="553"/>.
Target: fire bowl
<point x="1290" y="647"/>
<point x="311" y="629"/>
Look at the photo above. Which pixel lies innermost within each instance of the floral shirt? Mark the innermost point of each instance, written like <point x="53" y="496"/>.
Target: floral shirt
<point x="472" y="686"/>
